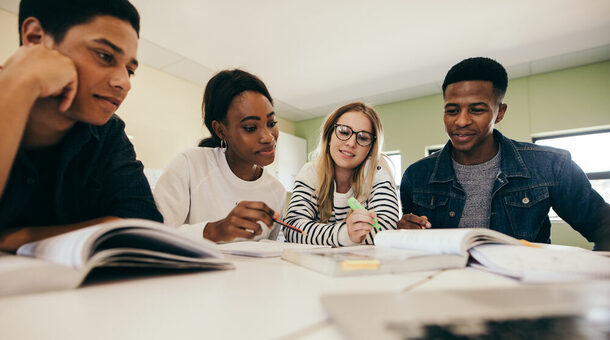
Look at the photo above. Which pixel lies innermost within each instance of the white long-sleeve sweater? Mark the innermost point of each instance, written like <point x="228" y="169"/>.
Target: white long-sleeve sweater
<point x="199" y="187"/>
<point x="303" y="209"/>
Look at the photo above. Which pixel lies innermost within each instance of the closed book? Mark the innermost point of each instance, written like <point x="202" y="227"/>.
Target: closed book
<point x="362" y="260"/>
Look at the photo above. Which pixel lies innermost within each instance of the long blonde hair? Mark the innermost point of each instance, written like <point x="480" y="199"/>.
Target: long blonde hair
<point x="362" y="180"/>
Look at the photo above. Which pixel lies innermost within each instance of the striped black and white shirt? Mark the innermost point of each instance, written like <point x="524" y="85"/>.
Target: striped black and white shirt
<point x="303" y="210"/>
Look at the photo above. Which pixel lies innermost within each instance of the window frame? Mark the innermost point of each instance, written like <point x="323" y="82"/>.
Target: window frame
<point x="590" y="175"/>
<point x="400" y="171"/>
<point x="430" y="149"/>
<point x="600" y="175"/>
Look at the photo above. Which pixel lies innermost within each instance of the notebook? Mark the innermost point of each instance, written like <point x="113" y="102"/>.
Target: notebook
<point x="263" y="248"/>
<point x="367" y="259"/>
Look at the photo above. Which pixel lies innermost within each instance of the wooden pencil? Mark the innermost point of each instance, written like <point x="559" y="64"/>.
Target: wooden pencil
<point x="289" y="226"/>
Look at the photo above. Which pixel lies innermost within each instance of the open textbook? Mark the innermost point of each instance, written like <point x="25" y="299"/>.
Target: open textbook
<point x="63" y="261"/>
<point x="544" y="264"/>
<point x="493" y="251"/>
<point x="417" y="250"/>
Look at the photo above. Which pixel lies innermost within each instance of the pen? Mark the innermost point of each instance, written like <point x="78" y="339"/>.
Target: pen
<point x="289" y="226"/>
<point x="355" y="205"/>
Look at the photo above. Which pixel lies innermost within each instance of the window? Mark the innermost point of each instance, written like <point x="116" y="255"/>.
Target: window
<point x="586" y="150"/>
<point x="432" y="149"/>
<point x="396" y="162"/>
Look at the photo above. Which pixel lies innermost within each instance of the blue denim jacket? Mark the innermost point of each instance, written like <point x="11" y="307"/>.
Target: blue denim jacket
<point x="532" y="179"/>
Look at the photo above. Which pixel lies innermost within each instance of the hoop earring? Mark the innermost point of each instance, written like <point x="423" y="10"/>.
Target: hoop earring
<point x="223" y="144"/>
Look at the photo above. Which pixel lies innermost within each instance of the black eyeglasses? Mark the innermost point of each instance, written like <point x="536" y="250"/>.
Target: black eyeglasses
<point x="363" y="138"/>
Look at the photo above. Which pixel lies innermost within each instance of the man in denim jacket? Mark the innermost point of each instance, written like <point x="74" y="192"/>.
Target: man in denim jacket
<point x="483" y="179"/>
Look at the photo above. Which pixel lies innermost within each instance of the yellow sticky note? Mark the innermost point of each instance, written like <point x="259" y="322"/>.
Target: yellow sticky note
<point x="360" y="265"/>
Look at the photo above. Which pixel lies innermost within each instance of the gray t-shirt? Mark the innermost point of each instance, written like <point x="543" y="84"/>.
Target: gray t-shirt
<point x="477" y="182"/>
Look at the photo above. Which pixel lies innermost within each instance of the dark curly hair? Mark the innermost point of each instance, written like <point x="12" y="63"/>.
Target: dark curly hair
<point x="479" y="68"/>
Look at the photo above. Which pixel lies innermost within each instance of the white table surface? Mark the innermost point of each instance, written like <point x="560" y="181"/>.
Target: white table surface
<point x="260" y="299"/>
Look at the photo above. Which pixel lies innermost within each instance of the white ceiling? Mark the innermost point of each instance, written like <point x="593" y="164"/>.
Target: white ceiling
<point x="318" y="54"/>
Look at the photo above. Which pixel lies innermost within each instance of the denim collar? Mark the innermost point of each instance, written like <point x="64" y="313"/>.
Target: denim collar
<point x="511" y="163"/>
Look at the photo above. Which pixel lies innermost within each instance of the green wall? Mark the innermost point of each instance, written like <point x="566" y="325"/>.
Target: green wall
<point x="310" y="130"/>
<point x="574" y="98"/>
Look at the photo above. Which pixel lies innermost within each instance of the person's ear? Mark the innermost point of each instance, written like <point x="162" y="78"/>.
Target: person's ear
<point x="219" y="129"/>
<point x="501" y="112"/>
<point x="33" y="33"/>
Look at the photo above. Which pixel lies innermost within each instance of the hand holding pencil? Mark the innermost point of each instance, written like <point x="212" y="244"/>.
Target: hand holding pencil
<point x="286" y="225"/>
<point x="412" y="221"/>
<point x="241" y="222"/>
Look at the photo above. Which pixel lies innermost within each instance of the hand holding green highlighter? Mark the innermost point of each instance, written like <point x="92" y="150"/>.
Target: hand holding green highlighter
<point x="355" y="205"/>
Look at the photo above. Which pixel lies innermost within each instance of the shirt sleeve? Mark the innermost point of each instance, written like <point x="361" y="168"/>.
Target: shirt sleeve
<point x="302" y="212"/>
<point x="274" y="234"/>
<point x="172" y="194"/>
<point x="384" y="202"/>
<point x="126" y="193"/>
<point x="577" y="203"/>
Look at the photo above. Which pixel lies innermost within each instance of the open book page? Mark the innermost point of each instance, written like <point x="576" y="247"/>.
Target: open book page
<point x="29" y="275"/>
<point x="542" y="264"/>
<point x="378" y="253"/>
<point x="263" y="248"/>
<point x="65" y="249"/>
<point x="478" y="236"/>
<point x="74" y="249"/>
<point x="129" y="257"/>
<point x="163" y="240"/>
<point x="440" y="241"/>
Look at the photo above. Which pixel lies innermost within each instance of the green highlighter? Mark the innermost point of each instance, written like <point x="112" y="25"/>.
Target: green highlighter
<point x="355" y="205"/>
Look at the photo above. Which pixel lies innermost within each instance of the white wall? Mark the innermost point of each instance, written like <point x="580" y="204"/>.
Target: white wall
<point x="162" y="112"/>
<point x="163" y="115"/>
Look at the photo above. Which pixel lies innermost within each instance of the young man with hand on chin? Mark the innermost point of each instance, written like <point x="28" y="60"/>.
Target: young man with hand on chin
<point x="66" y="160"/>
<point x="482" y="179"/>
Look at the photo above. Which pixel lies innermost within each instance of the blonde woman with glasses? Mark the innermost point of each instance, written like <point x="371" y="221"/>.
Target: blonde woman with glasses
<point x="347" y="163"/>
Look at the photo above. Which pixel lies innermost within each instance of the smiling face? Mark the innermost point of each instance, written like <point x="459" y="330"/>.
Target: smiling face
<point x="471" y="111"/>
<point x="348" y="154"/>
<point x="250" y="130"/>
<point x="104" y="53"/>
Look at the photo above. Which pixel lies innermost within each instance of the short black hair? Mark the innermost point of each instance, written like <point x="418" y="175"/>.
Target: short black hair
<point x="220" y="92"/>
<point x="58" y="16"/>
<point x="478" y="68"/>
